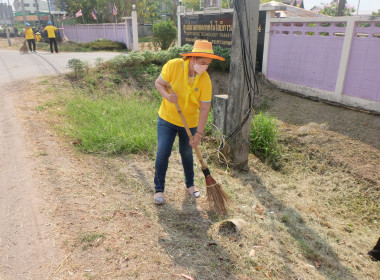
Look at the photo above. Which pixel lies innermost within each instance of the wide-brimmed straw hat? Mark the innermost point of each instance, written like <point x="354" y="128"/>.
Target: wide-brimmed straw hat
<point x="203" y="48"/>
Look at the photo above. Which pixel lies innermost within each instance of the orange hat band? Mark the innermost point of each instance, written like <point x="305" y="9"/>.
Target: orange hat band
<point x="203" y="48"/>
<point x="196" y="50"/>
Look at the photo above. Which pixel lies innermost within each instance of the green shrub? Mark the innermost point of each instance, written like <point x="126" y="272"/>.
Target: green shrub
<point x="161" y="57"/>
<point x="104" y="44"/>
<point x="264" y="138"/>
<point x="164" y="34"/>
<point x="122" y="61"/>
<point x="79" y="67"/>
<point x="136" y="59"/>
<point x="223" y="66"/>
<point x="148" y="56"/>
<point x="99" y="61"/>
<point x="119" y="61"/>
<point x="175" y="51"/>
<point x="186" y="48"/>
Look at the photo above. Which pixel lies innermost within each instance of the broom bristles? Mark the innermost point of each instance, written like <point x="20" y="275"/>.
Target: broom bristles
<point x="24" y="48"/>
<point x="216" y="196"/>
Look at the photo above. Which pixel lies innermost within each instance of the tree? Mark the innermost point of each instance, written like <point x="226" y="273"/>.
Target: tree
<point x="341" y="6"/>
<point x="376" y="13"/>
<point x="164" y="34"/>
<point x="195" y="5"/>
<point x="332" y="9"/>
<point x="148" y="9"/>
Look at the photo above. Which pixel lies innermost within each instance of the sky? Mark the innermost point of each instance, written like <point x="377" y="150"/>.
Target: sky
<point x="365" y="5"/>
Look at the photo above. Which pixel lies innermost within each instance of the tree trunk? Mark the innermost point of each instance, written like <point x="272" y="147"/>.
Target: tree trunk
<point x="341" y="5"/>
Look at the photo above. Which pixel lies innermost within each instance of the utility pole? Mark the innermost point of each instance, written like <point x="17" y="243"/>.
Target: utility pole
<point x="12" y="17"/>
<point x="38" y="14"/>
<point x="50" y="15"/>
<point x="357" y="11"/>
<point x="341" y="5"/>
<point x="6" y="24"/>
<point x="240" y="91"/>
<point x="23" y="11"/>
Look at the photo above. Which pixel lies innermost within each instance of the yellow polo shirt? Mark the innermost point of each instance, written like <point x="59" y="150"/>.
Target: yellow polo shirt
<point x="51" y="31"/>
<point x="173" y="73"/>
<point x="29" y="34"/>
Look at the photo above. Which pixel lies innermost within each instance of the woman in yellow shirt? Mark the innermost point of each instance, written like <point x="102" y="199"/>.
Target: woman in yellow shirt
<point x="30" y="37"/>
<point x="192" y="90"/>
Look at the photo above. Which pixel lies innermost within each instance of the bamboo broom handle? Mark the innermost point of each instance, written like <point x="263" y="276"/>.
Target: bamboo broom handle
<point x="198" y="153"/>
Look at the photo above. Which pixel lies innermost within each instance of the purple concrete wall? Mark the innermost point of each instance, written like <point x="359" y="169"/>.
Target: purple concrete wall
<point x="363" y="71"/>
<point x="84" y="33"/>
<point x="298" y="58"/>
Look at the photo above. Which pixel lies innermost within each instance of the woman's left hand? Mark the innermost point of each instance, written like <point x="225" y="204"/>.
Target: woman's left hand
<point x="196" y="141"/>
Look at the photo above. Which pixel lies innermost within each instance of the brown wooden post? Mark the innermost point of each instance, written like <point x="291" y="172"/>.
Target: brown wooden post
<point x="238" y="96"/>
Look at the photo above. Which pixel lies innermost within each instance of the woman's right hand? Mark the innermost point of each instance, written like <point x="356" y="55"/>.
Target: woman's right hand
<point x="172" y="97"/>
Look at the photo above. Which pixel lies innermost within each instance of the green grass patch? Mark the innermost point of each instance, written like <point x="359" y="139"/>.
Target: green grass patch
<point x="97" y="45"/>
<point x="91" y="239"/>
<point x="112" y="124"/>
<point x="63" y="47"/>
<point x="264" y="138"/>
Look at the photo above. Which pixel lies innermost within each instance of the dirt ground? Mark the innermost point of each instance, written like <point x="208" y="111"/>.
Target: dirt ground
<point x="316" y="218"/>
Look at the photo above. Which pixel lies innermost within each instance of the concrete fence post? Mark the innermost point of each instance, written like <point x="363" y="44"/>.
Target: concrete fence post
<point x="114" y="32"/>
<point x="219" y="112"/>
<point x="344" y="59"/>
<point x="76" y="29"/>
<point x="128" y="43"/>
<point x="269" y="15"/>
<point x="135" y="32"/>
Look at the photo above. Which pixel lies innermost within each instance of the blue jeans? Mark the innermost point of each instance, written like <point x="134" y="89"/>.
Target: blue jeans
<point x="166" y="133"/>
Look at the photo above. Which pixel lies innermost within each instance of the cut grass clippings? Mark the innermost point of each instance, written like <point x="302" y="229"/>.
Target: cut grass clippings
<point x="315" y="218"/>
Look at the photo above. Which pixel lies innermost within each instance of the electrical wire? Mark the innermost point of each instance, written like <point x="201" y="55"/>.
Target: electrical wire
<point x="248" y="66"/>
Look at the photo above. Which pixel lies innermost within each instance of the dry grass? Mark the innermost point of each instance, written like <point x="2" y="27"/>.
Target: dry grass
<point x="16" y="43"/>
<point x="315" y="219"/>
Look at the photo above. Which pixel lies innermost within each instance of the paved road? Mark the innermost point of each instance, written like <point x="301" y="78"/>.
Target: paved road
<point x="15" y="66"/>
<point x="27" y="249"/>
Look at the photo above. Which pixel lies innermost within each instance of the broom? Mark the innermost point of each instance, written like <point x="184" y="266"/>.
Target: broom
<point x="216" y="196"/>
<point x="24" y="48"/>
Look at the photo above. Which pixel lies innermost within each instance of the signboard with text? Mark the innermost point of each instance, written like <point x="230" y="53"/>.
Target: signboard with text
<point x="214" y="28"/>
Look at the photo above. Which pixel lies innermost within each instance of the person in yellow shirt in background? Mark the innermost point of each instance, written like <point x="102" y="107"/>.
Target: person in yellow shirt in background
<point x="30" y="37"/>
<point x="51" y="35"/>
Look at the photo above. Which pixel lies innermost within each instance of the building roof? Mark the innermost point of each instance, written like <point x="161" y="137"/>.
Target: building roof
<point x="292" y="11"/>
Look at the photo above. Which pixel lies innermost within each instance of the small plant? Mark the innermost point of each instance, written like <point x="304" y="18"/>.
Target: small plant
<point x="99" y="61"/>
<point x="78" y="66"/>
<point x="263" y="138"/>
<point x="91" y="240"/>
<point x="210" y="120"/>
<point x="117" y="79"/>
<point x="164" y="34"/>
